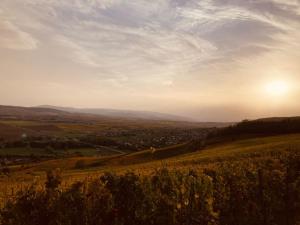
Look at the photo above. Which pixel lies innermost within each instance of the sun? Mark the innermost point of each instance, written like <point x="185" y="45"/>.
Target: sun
<point x="277" y="88"/>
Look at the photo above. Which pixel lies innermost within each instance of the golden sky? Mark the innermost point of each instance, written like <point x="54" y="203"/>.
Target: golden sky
<point x="210" y="60"/>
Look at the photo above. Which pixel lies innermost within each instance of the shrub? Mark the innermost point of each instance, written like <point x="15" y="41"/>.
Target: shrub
<point x="53" y="180"/>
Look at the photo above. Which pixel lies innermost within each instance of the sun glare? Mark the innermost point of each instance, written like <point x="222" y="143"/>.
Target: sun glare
<point x="277" y="88"/>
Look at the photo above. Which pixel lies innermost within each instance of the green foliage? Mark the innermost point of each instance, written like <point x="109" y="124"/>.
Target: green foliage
<point x="248" y="192"/>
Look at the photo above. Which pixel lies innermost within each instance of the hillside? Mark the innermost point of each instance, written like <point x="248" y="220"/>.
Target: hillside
<point x="173" y="156"/>
<point x="255" y="128"/>
<point x="179" y="176"/>
<point x="115" y="113"/>
<point x="59" y="130"/>
<point x="11" y="111"/>
<point x="10" y="132"/>
<point x="53" y="113"/>
<point x="36" y="113"/>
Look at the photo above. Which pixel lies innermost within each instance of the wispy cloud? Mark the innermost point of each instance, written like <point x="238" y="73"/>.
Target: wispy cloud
<point x="170" y="46"/>
<point x="12" y="37"/>
<point x="119" y="34"/>
<point x="78" y="53"/>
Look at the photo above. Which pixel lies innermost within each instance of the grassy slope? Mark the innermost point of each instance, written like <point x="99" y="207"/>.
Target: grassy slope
<point x="238" y="148"/>
<point x="145" y="162"/>
<point x="175" y="155"/>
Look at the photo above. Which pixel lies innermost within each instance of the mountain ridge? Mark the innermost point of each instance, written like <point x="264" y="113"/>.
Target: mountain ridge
<point x="131" y="114"/>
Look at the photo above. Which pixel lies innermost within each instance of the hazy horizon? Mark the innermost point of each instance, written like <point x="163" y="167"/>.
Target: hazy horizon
<point x="209" y="60"/>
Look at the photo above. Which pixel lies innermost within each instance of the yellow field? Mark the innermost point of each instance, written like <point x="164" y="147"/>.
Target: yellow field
<point x="144" y="162"/>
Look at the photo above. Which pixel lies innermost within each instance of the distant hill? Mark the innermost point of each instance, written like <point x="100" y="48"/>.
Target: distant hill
<point x="257" y="128"/>
<point x="17" y="111"/>
<point x="130" y="114"/>
<point x="42" y="114"/>
<point x="74" y="115"/>
<point x="278" y="119"/>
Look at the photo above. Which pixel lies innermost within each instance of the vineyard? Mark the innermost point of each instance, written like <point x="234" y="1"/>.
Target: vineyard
<point x="258" y="188"/>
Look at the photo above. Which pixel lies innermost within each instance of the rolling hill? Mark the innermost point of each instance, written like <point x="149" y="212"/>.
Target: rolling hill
<point x="116" y="113"/>
<point x="256" y="128"/>
<point x="174" y="157"/>
<point x="16" y="111"/>
<point x="53" y="113"/>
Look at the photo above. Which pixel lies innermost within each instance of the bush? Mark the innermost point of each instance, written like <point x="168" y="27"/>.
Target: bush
<point x="53" y="180"/>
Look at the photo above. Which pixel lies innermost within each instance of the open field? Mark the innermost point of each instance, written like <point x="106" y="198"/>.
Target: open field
<point x="129" y="135"/>
<point x="179" y="155"/>
<point x="146" y="161"/>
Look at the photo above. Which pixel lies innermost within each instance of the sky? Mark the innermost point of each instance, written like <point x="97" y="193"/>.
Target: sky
<point x="211" y="60"/>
